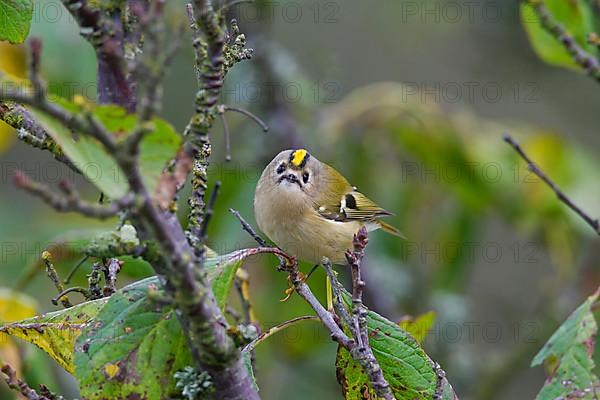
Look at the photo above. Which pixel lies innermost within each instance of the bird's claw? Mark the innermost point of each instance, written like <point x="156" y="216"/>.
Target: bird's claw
<point x="291" y="289"/>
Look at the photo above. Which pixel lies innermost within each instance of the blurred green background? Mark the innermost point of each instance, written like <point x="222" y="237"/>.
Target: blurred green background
<point x="409" y="100"/>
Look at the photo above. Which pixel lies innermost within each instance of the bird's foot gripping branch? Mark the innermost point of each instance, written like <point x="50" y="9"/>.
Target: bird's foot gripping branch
<point x="172" y="335"/>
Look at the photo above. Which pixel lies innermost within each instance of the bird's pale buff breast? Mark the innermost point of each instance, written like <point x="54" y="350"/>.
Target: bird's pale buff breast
<point x="291" y="222"/>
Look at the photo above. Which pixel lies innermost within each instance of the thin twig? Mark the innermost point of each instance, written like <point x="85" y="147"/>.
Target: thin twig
<point x="234" y="314"/>
<point x="18" y="385"/>
<point x="250" y="115"/>
<point x="232" y="3"/>
<point x="97" y="130"/>
<point x="74" y="269"/>
<point x="111" y="269"/>
<point x="44" y="391"/>
<point x="363" y="353"/>
<point x="67" y="118"/>
<point x="277" y="328"/>
<point x="593" y="222"/>
<point x="35" y="47"/>
<point x="586" y="61"/>
<point x="94" y="291"/>
<point x="31" y="132"/>
<point x="214" y="56"/>
<point x="158" y="53"/>
<point x="325" y="316"/>
<point x="103" y="29"/>
<point x="248" y="228"/>
<point x="226" y="136"/>
<point x="53" y="275"/>
<point x="338" y="302"/>
<point x="71" y="202"/>
<point x="65" y="292"/>
<point x="291" y="266"/>
<point x="261" y="242"/>
<point x="210" y="209"/>
<point x="209" y="45"/>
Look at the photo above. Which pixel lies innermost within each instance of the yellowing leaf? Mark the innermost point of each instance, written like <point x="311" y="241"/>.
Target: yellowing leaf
<point x="13" y="60"/>
<point x="55" y="332"/>
<point x="15" y="306"/>
<point x="134" y="346"/>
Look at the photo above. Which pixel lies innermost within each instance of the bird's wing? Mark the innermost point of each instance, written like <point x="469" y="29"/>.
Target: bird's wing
<point x="351" y="207"/>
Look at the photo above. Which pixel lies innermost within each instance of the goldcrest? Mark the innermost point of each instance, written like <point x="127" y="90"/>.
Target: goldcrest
<point x="309" y="210"/>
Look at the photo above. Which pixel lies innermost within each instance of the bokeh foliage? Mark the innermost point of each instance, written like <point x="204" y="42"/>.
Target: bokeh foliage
<point x="380" y="140"/>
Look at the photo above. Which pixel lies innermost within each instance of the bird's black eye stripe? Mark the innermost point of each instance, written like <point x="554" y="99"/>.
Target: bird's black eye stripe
<point x="350" y="201"/>
<point x="281" y="168"/>
<point x="305" y="177"/>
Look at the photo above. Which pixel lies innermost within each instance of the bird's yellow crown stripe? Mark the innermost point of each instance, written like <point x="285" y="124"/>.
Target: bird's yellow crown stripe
<point x="298" y="157"/>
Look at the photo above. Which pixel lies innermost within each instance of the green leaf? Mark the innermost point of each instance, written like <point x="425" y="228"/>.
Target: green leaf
<point x="573" y="378"/>
<point x="578" y="328"/>
<point x="409" y="371"/>
<point x="156" y="149"/>
<point x="222" y="276"/>
<point x="87" y="155"/>
<point x="55" y="332"/>
<point x="15" y="19"/>
<point x="575" y="16"/>
<point x="355" y="384"/>
<point x="134" y="347"/>
<point x="569" y="352"/>
<point x="131" y="349"/>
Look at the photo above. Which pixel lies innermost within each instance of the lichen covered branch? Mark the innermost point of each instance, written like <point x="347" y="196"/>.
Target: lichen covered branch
<point x="30" y="131"/>
<point x="362" y="351"/>
<point x="209" y="39"/>
<point x="53" y="275"/>
<point x="216" y="51"/>
<point x="186" y="284"/>
<point x="69" y="200"/>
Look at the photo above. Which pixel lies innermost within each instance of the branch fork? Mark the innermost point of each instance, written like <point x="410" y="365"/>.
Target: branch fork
<point x="356" y="322"/>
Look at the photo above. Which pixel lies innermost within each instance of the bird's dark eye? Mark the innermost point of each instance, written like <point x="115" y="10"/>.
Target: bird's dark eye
<point x="281" y="168"/>
<point x="305" y="177"/>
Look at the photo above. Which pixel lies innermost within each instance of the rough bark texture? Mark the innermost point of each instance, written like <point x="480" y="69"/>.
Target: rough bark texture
<point x="202" y="319"/>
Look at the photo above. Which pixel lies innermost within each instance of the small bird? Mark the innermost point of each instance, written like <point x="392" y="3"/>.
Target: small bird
<point x="309" y="210"/>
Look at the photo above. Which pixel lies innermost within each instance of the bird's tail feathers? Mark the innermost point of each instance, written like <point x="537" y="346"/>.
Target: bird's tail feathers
<point x="390" y="229"/>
